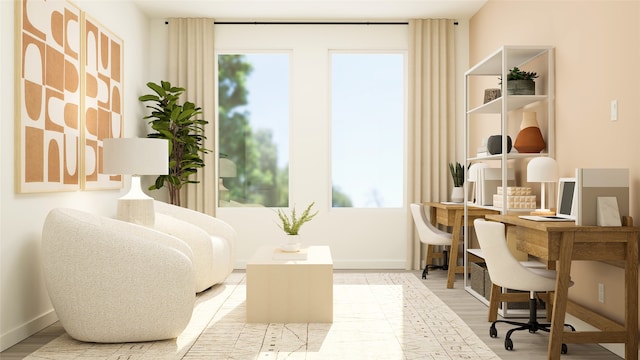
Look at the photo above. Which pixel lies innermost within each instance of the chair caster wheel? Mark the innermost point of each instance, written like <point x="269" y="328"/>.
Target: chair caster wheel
<point x="564" y="349"/>
<point x="493" y="332"/>
<point x="508" y="344"/>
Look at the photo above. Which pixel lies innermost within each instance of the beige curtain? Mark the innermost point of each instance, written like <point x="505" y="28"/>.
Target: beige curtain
<point x="431" y="117"/>
<point x="191" y="62"/>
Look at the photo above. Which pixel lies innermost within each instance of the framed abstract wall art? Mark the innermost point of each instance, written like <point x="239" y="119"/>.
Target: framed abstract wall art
<point x="68" y="96"/>
<point x="103" y="100"/>
<point x="48" y="94"/>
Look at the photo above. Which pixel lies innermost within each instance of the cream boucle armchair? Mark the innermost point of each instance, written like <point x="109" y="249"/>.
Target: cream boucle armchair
<point x="113" y="281"/>
<point x="211" y="240"/>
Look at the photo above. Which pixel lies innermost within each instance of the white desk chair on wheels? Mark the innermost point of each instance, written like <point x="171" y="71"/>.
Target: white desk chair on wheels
<point x="431" y="236"/>
<point x="507" y="272"/>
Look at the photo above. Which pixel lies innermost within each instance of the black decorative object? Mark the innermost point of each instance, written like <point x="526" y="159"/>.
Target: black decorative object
<point x="494" y="144"/>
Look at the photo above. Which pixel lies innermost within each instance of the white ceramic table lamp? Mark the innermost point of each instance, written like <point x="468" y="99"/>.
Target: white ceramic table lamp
<point x="542" y="170"/>
<point x="135" y="157"/>
<point x="227" y="168"/>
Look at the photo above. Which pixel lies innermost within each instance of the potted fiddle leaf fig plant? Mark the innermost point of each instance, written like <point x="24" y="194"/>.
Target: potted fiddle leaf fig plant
<point x="291" y="225"/>
<point x="182" y="126"/>
<point x="457" y="173"/>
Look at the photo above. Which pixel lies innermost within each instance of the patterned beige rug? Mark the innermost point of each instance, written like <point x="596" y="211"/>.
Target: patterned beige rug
<point x="376" y="316"/>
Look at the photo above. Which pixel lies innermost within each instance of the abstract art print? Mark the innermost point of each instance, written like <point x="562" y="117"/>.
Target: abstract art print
<point x="48" y="96"/>
<point x="103" y="79"/>
<point x="68" y="96"/>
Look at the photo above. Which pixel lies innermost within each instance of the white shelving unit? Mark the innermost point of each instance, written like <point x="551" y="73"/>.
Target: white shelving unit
<point x="539" y="59"/>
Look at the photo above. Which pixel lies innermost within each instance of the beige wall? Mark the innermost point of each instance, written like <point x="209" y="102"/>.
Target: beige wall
<point x="597" y="57"/>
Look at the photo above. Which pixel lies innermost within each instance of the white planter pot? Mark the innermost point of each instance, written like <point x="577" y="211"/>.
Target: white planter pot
<point x="291" y="243"/>
<point x="457" y="194"/>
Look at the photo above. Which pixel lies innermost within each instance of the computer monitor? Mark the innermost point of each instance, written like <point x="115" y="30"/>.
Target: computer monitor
<point x="567" y="198"/>
<point x="595" y="183"/>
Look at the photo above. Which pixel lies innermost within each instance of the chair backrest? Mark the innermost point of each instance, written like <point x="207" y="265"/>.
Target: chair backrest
<point x="428" y="233"/>
<point x="504" y="269"/>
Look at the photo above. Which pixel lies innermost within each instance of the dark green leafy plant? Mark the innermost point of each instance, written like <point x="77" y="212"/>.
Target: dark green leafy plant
<point x="291" y="224"/>
<point x="517" y="74"/>
<point x="457" y="173"/>
<point x="181" y="126"/>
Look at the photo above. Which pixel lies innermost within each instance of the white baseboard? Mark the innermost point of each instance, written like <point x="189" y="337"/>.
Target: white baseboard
<point x="23" y="331"/>
<point x="580" y="325"/>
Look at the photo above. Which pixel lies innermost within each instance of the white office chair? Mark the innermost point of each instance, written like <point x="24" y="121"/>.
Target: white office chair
<point x="431" y="236"/>
<point x="507" y="272"/>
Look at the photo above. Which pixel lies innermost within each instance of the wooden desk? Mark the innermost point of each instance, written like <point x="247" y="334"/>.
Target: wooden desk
<point x="564" y="242"/>
<point x="452" y="214"/>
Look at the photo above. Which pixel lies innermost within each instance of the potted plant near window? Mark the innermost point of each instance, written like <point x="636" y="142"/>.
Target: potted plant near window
<point x="181" y="125"/>
<point x="521" y="82"/>
<point x="291" y="225"/>
<point x="457" y="173"/>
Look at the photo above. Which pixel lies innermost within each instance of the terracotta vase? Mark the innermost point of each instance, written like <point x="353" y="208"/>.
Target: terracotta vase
<point x="529" y="139"/>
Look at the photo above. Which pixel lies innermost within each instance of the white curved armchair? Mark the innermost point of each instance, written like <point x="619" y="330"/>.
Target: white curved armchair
<point x="211" y="240"/>
<point x="430" y="235"/>
<point x="113" y="281"/>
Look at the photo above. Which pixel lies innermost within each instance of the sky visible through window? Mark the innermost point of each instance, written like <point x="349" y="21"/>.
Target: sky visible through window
<point x="367" y="119"/>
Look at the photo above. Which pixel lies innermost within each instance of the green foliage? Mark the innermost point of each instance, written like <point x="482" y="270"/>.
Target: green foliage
<point x="517" y="74"/>
<point x="291" y="224"/>
<point x="457" y="173"/>
<point x="181" y="126"/>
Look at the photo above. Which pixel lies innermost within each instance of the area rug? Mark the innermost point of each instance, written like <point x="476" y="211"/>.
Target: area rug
<point x="376" y="316"/>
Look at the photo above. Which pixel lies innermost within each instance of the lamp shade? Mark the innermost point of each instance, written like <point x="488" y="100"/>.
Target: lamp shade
<point x="227" y="168"/>
<point x="135" y="156"/>
<point x="542" y="169"/>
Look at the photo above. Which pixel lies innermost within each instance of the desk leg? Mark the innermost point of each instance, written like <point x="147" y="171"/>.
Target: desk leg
<point x="631" y="300"/>
<point x="455" y="242"/>
<point x="561" y="295"/>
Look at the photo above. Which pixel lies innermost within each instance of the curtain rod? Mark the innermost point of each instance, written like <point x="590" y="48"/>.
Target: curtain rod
<point x="308" y="22"/>
<point x="311" y="23"/>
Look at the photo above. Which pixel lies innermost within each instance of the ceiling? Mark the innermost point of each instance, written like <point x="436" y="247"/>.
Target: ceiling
<point x="250" y="10"/>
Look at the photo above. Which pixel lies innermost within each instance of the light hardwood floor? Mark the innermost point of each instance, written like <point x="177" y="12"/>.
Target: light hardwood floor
<point x="472" y="312"/>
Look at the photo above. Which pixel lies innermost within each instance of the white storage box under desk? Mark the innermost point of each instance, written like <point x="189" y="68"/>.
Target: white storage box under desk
<point x="290" y="291"/>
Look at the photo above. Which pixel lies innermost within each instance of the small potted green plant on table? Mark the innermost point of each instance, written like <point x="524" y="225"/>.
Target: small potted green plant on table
<point x="457" y="173"/>
<point x="291" y="225"/>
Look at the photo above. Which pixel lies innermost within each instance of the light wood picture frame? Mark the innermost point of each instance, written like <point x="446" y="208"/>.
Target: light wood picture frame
<point x="47" y="96"/>
<point x="68" y="97"/>
<point x="103" y="78"/>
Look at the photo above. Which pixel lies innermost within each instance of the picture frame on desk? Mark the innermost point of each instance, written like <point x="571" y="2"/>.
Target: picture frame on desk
<point x="594" y="183"/>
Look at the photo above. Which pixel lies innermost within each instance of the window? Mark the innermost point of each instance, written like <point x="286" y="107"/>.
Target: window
<point x="253" y="100"/>
<point x="367" y="125"/>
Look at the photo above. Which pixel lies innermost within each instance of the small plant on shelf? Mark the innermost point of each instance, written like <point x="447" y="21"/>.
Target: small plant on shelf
<point x="517" y="74"/>
<point x="457" y="173"/>
<point x="291" y="224"/>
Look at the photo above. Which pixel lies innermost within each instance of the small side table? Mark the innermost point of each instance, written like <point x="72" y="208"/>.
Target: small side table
<point x="290" y="291"/>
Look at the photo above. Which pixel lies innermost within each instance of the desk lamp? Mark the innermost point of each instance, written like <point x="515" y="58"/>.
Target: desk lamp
<point x="542" y="170"/>
<point x="135" y="157"/>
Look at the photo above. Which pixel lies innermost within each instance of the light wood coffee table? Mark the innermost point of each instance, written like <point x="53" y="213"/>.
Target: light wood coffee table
<point x="280" y="290"/>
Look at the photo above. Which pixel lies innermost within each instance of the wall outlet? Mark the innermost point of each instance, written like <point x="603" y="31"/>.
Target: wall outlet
<point x="601" y="293"/>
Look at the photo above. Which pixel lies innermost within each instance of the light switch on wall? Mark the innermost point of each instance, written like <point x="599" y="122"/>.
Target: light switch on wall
<point x="614" y="110"/>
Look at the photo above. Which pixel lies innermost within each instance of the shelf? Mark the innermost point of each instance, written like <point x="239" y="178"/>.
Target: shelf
<point x="499" y="209"/>
<point x="476" y="252"/>
<point x="513" y="102"/>
<point x="509" y="156"/>
<point x="540" y="59"/>
<point x="515" y="56"/>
